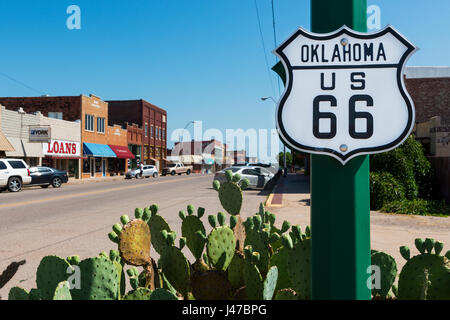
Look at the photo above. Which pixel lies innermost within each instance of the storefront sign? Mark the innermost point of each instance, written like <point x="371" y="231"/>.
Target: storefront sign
<point x="61" y="148"/>
<point x="345" y="94"/>
<point x="39" y="134"/>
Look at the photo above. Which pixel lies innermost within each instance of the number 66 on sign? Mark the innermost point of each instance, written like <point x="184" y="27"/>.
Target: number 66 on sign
<point x="344" y="93"/>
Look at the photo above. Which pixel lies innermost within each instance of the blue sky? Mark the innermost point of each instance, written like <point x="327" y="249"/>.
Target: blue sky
<point x="198" y="59"/>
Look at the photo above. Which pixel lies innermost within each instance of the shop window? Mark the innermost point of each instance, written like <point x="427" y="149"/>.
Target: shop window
<point x="86" y="166"/>
<point x="89" y="122"/>
<point x="101" y="125"/>
<point x="151" y="131"/>
<point x="163" y="134"/>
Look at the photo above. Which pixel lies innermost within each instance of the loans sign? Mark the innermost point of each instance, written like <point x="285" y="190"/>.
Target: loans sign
<point x="344" y="93"/>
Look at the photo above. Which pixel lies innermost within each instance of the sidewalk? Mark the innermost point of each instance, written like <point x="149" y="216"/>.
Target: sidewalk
<point x="74" y="181"/>
<point x="388" y="231"/>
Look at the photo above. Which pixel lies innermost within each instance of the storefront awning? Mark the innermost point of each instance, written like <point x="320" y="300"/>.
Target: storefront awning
<point x="122" y="152"/>
<point x="5" y="145"/>
<point x="25" y="149"/>
<point x="98" y="150"/>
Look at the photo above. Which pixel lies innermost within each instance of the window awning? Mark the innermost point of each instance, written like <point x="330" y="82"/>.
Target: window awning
<point x="122" y="152"/>
<point x="98" y="150"/>
<point x="25" y="149"/>
<point x="5" y="145"/>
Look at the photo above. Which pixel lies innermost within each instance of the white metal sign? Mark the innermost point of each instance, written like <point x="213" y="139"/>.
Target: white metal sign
<point x="344" y="93"/>
<point x="39" y="133"/>
<point x="61" y="148"/>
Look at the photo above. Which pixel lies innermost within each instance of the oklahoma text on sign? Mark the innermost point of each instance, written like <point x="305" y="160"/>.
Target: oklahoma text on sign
<point x="345" y="94"/>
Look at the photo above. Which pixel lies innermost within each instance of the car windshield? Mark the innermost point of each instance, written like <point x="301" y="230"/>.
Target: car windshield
<point x="233" y="169"/>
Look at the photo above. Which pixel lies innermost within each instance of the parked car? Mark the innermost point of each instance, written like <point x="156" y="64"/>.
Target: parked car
<point x="177" y="168"/>
<point x="45" y="177"/>
<point x="257" y="176"/>
<point x="148" y="171"/>
<point x="14" y="173"/>
<point x="271" y="167"/>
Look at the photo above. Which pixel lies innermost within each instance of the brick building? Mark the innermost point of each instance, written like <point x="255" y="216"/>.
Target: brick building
<point x="429" y="88"/>
<point x="238" y="156"/>
<point x="91" y="112"/>
<point x="152" y="120"/>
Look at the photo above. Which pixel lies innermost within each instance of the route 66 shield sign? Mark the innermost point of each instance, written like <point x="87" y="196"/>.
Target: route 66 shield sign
<point x="345" y="95"/>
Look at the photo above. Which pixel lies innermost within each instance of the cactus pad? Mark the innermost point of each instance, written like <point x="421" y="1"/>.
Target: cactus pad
<point x="280" y="259"/>
<point x="158" y="224"/>
<point x="189" y="228"/>
<point x="299" y="268"/>
<point x="220" y="247"/>
<point x="176" y="268"/>
<point x="236" y="271"/>
<point x="51" y="271"/>
<point x="99" y="280"/>
<point x="62" y="291"/>
<point x="425" y="276"/>
<point x="138" y="294"/>
<point x="388" y="272"/>
<point x="16" y="293"/>
<point x="286" y="294"/>
<point x="134" y="243"/>
<point x="163" y="294"/>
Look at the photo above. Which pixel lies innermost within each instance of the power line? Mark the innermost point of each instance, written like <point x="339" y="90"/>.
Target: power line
<point x="264" y="46"/>
<point x="275" y="39"/>
<point x="21" y="83"/>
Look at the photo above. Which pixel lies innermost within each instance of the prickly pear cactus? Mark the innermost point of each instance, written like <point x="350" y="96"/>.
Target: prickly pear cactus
<point x="230" y="192"/>
<point x="157" y="224"/>
<point x="17" y="293"/>
<point x="221" y="243"/>
<point x="286" y="294"/>
<point x="425" y="276"/>
<point x="51" y="271"/>
<point x="388" y="273"/>
<point x="100" y="280"/>
<point x="138" y="294"/>
<point x="163" y="294"/>
<point x="174" y="264"/>
<point x="192" y="229"/>
<point x="258" y="288"/>
<point x="62" y="291"/>
<point x="299" y="261"/>
<point x="235" y="271"/>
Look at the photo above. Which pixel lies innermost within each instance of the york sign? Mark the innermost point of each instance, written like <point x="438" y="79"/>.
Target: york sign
<point x="344" y="92"/>
<point x="39" y="134"/>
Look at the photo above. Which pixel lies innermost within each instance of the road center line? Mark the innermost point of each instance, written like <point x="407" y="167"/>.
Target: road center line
<point x="71" y="196"/>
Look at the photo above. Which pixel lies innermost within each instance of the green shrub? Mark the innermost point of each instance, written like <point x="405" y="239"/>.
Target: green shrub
<point x="423" y="171"/>
<point x="418" y="207"/>
<point x="399" y="166"/>
<point x="384" y="188"/>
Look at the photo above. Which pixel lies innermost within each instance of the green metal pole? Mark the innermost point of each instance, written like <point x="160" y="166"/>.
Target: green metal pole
<point x="340" y="196"/>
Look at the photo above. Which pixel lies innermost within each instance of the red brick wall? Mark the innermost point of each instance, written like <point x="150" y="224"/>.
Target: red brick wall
<point x="431" y="98"/>
<point x="69" y="106"/>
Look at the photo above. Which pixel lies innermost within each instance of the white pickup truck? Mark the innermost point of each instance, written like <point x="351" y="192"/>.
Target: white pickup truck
<point x="14" y="173"/>
<point x="177" y="168"/>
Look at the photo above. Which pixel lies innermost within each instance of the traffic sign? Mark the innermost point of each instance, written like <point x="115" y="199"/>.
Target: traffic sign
<point x="345" y="95"/>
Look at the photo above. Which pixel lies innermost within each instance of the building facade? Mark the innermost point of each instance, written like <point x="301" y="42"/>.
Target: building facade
<point x="61" y="150"/>
<point x="205" y="156"/>
<point x="91" y="112"/>
<point x="238" y="156"/>
<point x="134" y="140"/>
<point x="152" y="120"/>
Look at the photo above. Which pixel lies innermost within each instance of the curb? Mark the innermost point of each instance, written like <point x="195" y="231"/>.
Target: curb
<point x="275" y="192"/>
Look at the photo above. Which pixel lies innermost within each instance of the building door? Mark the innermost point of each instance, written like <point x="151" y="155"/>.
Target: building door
<point x="104" y="167"/>
<point x="92" y="167"/>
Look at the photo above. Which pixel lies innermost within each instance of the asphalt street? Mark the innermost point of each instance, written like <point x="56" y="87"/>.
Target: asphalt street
<point x="75" y="219"/>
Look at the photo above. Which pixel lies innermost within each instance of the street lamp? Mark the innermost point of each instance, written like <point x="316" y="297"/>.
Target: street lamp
<point x="284" y="146"/>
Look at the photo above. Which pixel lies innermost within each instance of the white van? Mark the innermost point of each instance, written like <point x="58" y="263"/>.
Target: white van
<point x="14" y="173"/>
